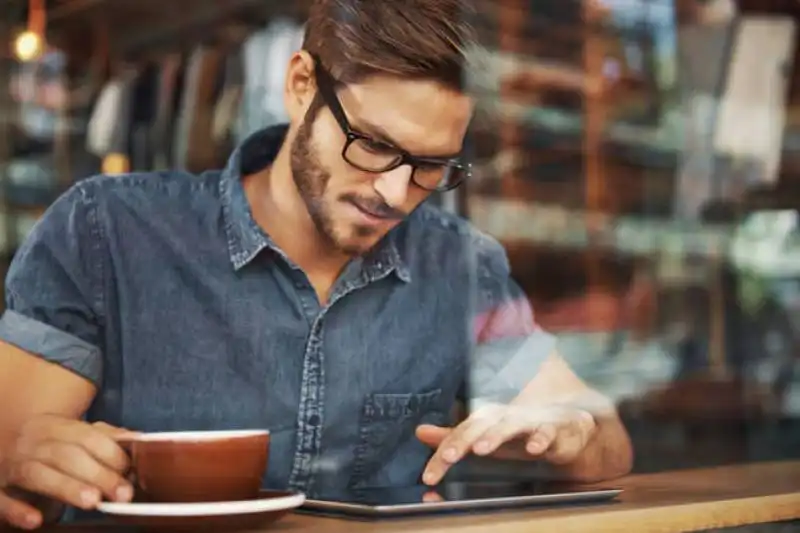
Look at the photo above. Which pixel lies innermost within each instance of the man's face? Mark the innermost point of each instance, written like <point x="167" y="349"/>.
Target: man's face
<point x="351" y="208"/>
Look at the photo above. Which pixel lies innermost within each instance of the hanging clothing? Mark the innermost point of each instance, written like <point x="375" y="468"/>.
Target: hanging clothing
<point x="227" y="107"/>
<point x="266" y="56"/>
<point x="702" y="65"/>
<point x="101" y="124"/>
<point x="194" y="148"/>
<point x="144" y="101"/>
<point x="169" y="89"/>
<point x="109" y="127"/>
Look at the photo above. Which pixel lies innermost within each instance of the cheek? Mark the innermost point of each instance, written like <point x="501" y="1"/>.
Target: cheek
<point x="327" y="145"/>
<point x="343" y="179"/>
<point x="415" y="197"/>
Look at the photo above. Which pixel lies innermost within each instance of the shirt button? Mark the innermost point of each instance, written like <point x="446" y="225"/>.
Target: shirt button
<point x="313" y="420"/>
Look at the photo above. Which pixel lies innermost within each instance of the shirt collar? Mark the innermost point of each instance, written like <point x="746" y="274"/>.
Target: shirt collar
<point x="245" y="237"/>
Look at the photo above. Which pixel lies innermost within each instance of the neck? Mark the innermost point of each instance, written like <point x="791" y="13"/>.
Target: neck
<point x="281" y="212"/>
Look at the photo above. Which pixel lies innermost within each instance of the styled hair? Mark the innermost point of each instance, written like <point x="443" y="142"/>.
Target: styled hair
<point x="410" y="39"/>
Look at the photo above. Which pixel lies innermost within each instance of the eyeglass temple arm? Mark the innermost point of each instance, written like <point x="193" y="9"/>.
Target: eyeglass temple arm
<point x="325" y="86"/>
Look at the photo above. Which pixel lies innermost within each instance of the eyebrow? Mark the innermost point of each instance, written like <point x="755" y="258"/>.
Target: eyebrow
<point x="373" y="130"/>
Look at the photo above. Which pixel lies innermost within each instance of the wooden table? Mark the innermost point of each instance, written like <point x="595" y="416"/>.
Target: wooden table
<point x="688" y="500"/>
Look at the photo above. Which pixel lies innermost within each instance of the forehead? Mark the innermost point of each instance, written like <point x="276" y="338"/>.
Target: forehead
<point x="421" y="116"/>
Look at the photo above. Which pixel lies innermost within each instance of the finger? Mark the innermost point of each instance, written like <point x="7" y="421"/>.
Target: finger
<point x="541" y="439"/>
<point x="76" y="462"/>
<point x="431" y="435"/>
<point x="18" y="514"/>
<point x="99" y="444"/>
<point x="568" y="444"/>
<point x="432" y="497"/>
<point x="122" y="436"/>
<point x="453" y="448"/>
<point x="45" y="480"/>
<point x="497" y="435"/>
<point x="461" y="441"/>
<point x="565" y="449"/>
<point x="113" y="431"/>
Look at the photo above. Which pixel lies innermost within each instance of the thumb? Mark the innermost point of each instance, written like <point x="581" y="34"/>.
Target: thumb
<point x="431" y="435"/>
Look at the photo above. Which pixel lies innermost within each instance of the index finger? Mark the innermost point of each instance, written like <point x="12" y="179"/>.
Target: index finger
<point x="98" y="443"/>
<point x="432" y="497"/>
<point x="541" y="439"/>
<point x="454" y="447"/>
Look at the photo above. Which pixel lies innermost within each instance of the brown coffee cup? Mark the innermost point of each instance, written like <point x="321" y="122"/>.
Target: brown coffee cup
<point x="198" y="466"/>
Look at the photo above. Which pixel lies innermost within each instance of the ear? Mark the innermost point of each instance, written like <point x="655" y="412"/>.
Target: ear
<point x="300" y="86"/>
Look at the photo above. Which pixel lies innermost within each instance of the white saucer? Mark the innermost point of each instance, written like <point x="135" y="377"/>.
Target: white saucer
<point x="258" y="505"/>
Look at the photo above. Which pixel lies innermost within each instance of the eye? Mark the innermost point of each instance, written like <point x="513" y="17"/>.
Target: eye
<point x="429" y="166"/>
<point x="376" y="147"/>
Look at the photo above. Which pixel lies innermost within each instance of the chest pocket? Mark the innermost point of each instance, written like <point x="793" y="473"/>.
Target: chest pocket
<point x="386" y="436"/>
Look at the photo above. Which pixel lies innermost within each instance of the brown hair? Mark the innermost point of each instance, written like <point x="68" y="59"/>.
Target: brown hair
<point x="412" y="39"/>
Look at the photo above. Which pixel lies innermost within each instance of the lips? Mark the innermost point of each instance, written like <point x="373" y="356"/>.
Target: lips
<point x="368" y="212"/>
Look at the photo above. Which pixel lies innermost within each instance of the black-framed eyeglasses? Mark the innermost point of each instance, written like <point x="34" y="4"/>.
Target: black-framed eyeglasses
<point x="372" y="155"/>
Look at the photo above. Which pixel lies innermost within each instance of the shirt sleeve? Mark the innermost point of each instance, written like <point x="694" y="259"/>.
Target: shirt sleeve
<point x="509" y="347"/>
<point x="53" y="289"/>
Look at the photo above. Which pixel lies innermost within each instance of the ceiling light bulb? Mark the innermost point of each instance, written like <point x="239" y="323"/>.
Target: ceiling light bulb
<point x="28" y="46"/>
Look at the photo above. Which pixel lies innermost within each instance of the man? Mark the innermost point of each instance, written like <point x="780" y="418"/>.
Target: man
<point x="306" y="288"/>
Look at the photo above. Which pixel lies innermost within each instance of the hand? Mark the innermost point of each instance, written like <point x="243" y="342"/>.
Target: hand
<point x="68" y="461"/>
<point x="557" y="434"/>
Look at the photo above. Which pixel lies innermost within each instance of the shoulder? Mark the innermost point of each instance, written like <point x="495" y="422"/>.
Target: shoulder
<point x="435" y="232"/>
<point x="144" y="194"/>
<point x="158" y="187"/>
<point x="91" y="204"/>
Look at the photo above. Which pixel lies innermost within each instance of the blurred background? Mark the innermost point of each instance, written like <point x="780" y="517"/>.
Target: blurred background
<point x="639" y="159"/>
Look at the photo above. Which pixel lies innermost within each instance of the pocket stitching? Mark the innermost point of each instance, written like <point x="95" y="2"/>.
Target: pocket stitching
<point x="368" y="418"/>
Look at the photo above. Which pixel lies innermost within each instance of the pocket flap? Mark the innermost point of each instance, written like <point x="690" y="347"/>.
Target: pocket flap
<point x="383" y="406"/>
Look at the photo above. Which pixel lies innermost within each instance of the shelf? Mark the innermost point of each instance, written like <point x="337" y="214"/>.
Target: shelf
<point x="646" y="237"/>
<point x="662" y="141"/>
<point x="554" y="225"/>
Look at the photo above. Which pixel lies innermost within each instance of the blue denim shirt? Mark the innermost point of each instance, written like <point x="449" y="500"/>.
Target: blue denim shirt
<point x="162" y="290"/>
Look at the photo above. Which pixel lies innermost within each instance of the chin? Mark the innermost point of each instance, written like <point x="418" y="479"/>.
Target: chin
<point x="357" y="247"/>
<point x="357" y="244"/>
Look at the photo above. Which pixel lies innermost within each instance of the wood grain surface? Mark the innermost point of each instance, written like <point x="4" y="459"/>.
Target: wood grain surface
<point x="688" y="500"/>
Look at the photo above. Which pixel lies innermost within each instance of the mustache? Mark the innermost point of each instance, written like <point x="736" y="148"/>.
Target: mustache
<point x="375" y="206"/>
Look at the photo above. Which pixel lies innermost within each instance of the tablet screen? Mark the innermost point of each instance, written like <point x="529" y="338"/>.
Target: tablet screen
<point x="455" y="495"/>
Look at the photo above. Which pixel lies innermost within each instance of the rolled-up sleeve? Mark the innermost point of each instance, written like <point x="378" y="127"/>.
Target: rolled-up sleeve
<point x="509" y="346"/>
<point x="54" y="289"/>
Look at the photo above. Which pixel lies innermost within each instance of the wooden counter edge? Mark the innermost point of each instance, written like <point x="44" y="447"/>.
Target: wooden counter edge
<point x="670" y="517"/>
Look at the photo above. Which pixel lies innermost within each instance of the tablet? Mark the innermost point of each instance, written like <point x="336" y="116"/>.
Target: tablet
<point x="452" y="497"/>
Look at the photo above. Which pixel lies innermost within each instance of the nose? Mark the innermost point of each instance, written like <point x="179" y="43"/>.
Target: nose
<point x="393" y="185"/>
